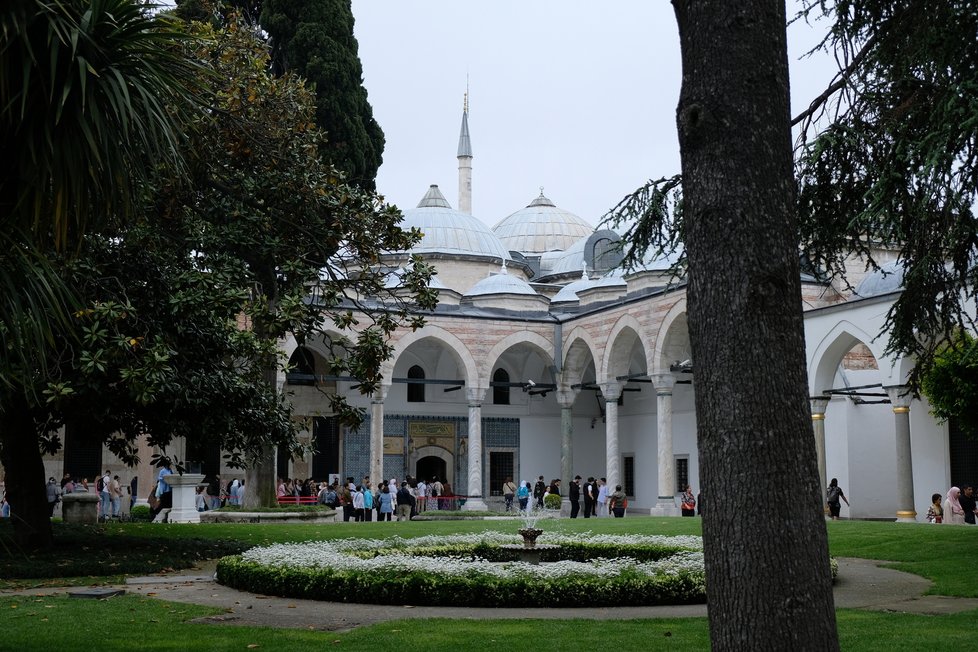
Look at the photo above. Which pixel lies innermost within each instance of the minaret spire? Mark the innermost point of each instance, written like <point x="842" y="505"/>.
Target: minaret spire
<point x="465" y="158"/>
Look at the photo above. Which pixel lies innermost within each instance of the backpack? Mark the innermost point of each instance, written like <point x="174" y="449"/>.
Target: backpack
<point x="523" y="492"/>
<point x="100" y="484"/>
<point x="833" y="494"/>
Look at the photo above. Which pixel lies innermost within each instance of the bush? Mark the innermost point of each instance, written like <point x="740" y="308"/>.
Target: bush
<point x="552" y="501"/>
<point x="466" y="571"/>
<point x="140" y="513"/>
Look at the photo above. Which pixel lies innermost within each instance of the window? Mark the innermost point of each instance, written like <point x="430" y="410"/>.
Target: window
<point x="415" y="391"/>
<point x="628" y="475"/>
<point x="302" y="368"/>
<point x="500" y="393"/>
<point x="500" y="468"/>
<point x="682" y="474"/>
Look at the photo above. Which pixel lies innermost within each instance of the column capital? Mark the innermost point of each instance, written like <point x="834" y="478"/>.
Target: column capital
<point x="663" y="382"/>
<point x="566" y="396"/>
<point x="475" y="395"/>
<point x="379" y="395"/>
<point x="818" y="405"/>
<point x="900" y="397"/>
<point x="611" y="390"/>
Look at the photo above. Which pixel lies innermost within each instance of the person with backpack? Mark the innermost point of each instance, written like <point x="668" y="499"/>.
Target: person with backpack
<point x="405" y="502"/>
<point x="523" y="495"/>
<point x="105" y="497"/>
<point x="435" y="489"/>
<point x="833" y="494"/>
<point x="539" y="489"/>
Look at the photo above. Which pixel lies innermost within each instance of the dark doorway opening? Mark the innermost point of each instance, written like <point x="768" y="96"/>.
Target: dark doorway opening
<point x="83" y="456"/>
<point x="430" y="467"/>
<point x="326" y="440"/>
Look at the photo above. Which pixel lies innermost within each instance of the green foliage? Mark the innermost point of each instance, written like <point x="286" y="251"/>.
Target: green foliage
<point x="894" y="159"/>
<point x="81" y="551"/>
<point x="386" y="586"/>
<point x="552" y="501"/>
<point x="314" y="40"/>
<point x="140" y="513"/>
<point x="951" y="383"/>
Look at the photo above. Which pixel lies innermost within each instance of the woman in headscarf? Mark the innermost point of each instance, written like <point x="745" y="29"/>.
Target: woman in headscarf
<point x="953" y="512"/>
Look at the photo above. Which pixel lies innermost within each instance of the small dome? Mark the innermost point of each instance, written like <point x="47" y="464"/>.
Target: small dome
<point x="572" y="260"/>
<point x="450" y="231"/>
<point x="394" y="280"/>
<point x="569" y="291"/>
<point x="541" y="227"/>
<point x="500" y="284"/>
<point x="888" y="278"/>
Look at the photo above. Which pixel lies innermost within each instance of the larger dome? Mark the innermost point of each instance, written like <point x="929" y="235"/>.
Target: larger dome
<point x="888" y="278"/>
<point x="541" y="227"/>
<point x="447" y="230"/>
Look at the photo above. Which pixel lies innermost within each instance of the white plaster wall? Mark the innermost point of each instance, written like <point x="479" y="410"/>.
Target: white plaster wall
<point x="872" y="487"/>
<point x="638" y="436"/>
<point x="931" y="455"/>
<point x="837" y="447"/>
<point x="539" y="448"/>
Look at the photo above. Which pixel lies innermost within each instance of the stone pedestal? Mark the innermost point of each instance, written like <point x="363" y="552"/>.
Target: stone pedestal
<point x="184" y="497"/>
<point x="80" y="507"/>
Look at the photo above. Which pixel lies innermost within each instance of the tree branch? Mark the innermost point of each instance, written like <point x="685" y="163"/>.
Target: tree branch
<point x="839" y="82"/>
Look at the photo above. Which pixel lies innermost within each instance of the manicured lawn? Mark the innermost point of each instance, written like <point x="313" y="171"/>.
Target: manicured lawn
<point x="942" y="554"/>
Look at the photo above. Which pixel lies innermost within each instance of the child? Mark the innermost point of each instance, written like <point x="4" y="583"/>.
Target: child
<point x="935" y="513"/>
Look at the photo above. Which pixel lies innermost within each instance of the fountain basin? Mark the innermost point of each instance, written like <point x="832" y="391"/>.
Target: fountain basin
<point x="529" y="555"/>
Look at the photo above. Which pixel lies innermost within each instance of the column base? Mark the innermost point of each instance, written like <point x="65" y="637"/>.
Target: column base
<point x="909" y="516"/>
<point x="475" y="504"/>
<point x="665" y="506"/>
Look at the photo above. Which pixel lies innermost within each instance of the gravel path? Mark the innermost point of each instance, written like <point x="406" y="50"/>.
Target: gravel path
<point x="862" y="584"/>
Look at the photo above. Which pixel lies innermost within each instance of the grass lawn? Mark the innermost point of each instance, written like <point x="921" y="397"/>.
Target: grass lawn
<point x="41" y="623"/>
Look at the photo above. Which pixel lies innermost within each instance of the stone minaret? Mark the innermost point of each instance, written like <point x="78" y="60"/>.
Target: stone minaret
<point x="465" y="162"/>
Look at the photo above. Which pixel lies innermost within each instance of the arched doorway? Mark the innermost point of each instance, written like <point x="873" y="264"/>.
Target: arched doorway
<point x="430" y="467"/>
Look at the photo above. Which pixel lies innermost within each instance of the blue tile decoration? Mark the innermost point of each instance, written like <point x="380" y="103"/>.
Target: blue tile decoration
<point x="496" y="433"/>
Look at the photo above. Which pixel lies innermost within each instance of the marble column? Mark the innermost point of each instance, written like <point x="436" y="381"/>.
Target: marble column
<point x="475" y="501"/>
<point x="565" y="399"/>
<point x="819" y="403"/>
<point x="377" y="434"/>
<point x="611" y="392"/>
<point x="900" y="399"/>
<point x="666" y="499"/>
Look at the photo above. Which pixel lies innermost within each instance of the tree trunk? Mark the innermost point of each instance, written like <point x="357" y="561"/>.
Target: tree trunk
<point x="20" y="455"/>
<point x="260" y="489"/>
<point x="768" y="580"/>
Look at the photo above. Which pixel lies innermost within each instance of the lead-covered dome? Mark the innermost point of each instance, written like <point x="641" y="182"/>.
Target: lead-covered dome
<point x="888" y="278"/>
<point x="447" y="230"/>
<point x="541" y="227"/>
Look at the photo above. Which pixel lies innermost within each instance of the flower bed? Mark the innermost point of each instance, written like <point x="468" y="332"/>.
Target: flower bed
<point x="472" y="570"/>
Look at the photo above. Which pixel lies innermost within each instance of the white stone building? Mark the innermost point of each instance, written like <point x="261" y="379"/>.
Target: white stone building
<point x="543" y="358"/>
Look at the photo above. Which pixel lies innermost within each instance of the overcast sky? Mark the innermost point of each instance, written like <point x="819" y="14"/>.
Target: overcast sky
<point x="578" y="97"/>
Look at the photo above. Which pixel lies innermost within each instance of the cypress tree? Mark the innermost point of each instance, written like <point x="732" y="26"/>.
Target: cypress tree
<point x="314" y="39"/>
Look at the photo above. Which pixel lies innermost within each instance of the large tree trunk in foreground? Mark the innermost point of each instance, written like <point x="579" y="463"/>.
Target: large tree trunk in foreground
<point x="767" y="570"/>
<point x="20" y="455"/>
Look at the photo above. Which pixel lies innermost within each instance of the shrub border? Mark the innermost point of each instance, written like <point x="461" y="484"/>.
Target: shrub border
<point x="398" y="586"/>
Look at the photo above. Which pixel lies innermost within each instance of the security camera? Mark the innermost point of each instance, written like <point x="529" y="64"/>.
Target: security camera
<point x="531" y="383"/>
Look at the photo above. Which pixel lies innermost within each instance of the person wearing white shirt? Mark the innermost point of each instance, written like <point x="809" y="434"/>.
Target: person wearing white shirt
<point x="421" y="495"/>
<point x="602" y="498"/>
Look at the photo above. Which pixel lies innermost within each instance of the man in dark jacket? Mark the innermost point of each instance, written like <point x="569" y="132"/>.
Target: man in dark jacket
<point x="539" y="489"/>
<point x="589" y="498"/>
<point x="575" y="496"/>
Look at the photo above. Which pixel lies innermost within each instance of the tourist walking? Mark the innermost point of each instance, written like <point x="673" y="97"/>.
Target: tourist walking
<point x="833" y="494"/>
<point x="104" y="496"/>
<point x="53" y="493"/>
<point x="589" y="497"/>
<point x="953" y="511"/>
<point x="688" y="502"/>
<point x="617" y="502"/>
<point x="602" y="499"/>
<point x="574" y="493"/>
<point x="509" y="493"/>
<point x="435" y="490"/>
<point x="935" y="513"/>
<point x="386" y="503"/>
<point x="523" y="495"/>
<point x="405" y="502"/>
<point x="967" y="500"/>
<point x="539" y="489"/>
<point x="115" y="496"/>
<point x="421" y="495"/>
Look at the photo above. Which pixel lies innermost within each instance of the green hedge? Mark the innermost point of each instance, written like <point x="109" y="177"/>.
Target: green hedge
<point x="400" y="587"/>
